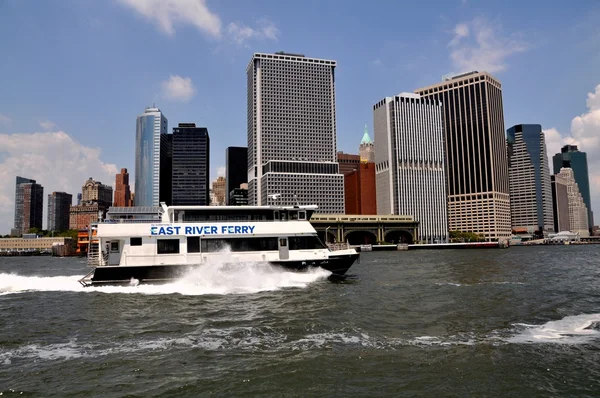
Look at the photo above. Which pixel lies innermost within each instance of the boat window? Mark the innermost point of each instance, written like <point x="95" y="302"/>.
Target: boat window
<point x="135" y="241"/>
<point x="193" y="244"/>
<point x="283" y="242"/>
<point x="301" y="215"/>
<point x="239" y="245"/>
<point x="114" y="246"/>
<point x="293" y="215"/>
<point x="167" y="246"/>
<point x="305" y="243"/>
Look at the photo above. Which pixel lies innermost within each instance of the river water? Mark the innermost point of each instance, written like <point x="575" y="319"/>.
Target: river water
<point x="519" y="322"/>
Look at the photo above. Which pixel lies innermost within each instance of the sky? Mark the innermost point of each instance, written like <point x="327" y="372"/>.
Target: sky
<point x="75" y="74"/>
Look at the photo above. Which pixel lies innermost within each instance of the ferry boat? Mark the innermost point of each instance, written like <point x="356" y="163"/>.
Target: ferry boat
<point x="161" y="244"/>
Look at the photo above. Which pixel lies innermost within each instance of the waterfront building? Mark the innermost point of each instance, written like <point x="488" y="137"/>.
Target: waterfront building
<point x="150" y="126"/>
<point x="218" y="189"/>
<point x="236" y="169"/>
<point x="29" y="205"/>
<point x="292" y="132"/>
<point x="529" y="180"/>
<point x="191" y="165"/>
<point x="165" y="193"/>
<point x="96" y="198"/>
<point x="410" y="169"/>
<point x="122" y="190"/>
<point x="35" y="244"/>
<point x="475" y="152"/>
<point x="59" y="204"/>
<point x="560" y="203"/>
<point x="366" y="149"/>
<point x="95" y="192"/>
<point x="578" y="212"/>
<point x="239" y="196"/>
<point x="359" y="190"/>
<point x="570" y="156"/>
<point x="348" y="162"/>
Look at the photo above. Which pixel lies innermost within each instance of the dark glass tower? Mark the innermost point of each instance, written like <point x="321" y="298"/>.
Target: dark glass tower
<point x="570" y="156"/>
<point x="190" y="165"/>
<point x="59" y="204"/>
<point x="29" y="205"/>
<point x="165" y="193"/>
<point x="236" y="160"/>
<point x="529" y="177"/>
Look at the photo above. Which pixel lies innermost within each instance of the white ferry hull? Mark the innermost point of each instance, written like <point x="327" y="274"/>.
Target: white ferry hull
<point x="337" y="264"/>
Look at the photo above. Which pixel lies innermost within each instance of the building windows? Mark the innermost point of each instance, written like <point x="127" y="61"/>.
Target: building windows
<point x="135" y="241"/>
<point x="167" y="246"/>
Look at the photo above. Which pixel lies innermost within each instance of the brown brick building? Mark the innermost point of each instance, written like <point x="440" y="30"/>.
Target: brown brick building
<point x="122" y="190"/>
<point x="347" y="162"/>
<point x="359" y="190"/>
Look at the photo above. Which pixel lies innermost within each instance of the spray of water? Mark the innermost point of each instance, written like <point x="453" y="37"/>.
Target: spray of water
<point x="576" y="329"/>
<point x="211" y="278"/>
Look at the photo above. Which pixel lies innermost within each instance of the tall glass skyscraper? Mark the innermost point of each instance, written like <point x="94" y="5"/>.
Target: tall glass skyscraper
<point x="59" y="204"/>
<point x="573" y="158"/>
<point x="29" y="205"/>
<point x="529" y="177"/>
<point x="236" y="163"/>
<point x="191" y="160"/>
<point x="149" y="128"/>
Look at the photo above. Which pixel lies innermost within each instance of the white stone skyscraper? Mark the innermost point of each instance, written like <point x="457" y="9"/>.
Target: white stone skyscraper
<point x="578" y="212"/>
<point x="292" y="132"/>
<point x="409" y="162"/>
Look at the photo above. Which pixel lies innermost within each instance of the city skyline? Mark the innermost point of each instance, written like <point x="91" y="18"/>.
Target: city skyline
<point x="68" y="148"/>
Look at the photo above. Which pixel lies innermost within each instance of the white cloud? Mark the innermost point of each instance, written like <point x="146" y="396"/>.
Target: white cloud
<point x="167" y="13"/>
<point x="487" y="50"/>
<point x="178" y="88"/>
<point x="221" y="170"/>
<point x="4" y="119"/>
<point x="47" y="125"/>
<point x="377" y="62"/>
<point x="585" y="133"/>
<point x="54" y="160"/>
<point x="241" y="33"/>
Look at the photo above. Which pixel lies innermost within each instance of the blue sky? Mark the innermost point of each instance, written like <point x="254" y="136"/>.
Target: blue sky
<point x="75" y="73"/>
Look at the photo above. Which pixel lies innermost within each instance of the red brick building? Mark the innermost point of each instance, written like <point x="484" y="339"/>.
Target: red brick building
<point x="122" y="190"/>
<point x="347" y="162"/>
<point x="359" y="190"/>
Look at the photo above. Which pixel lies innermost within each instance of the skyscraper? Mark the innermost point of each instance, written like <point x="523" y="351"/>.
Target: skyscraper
<point x="218" y="190"/>
<point x="409" y="158"/>
<point x="191" y="165"/>
<point x="529" y="179"/>
<point x="292" y="132"/>
<point x="475" y="152"/>
<point x="149" y="128"/>
<point x="29" y="205"/>
<point x="165" y="193"/>
<point x="96" y="198"/>
<point x="122" y="190"/>
<point x="560" y="202"/>
<point x="59" y="204"/>
<point x="571" y="157"/>
<point x="95" y="192"/>
<point x="578" y="212"/>
<point x="236" y="169"/>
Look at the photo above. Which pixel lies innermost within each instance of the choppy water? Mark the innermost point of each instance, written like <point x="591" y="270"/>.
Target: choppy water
<point x="520" y="322"/>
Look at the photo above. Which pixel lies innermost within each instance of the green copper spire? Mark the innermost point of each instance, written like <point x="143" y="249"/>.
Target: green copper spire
<point x="366" y="139"/>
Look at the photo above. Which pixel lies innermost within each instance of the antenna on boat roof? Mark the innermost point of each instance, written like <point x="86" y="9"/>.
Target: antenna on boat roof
<point x="296" y="199"/>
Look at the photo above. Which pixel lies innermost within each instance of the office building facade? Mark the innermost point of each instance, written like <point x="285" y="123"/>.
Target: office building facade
<point x="236" y="169"/>
<point x="347" y="162"/>
<point x="292" y="132"/>
<point x="165" y="192"/>
<point x="59" y="204"/>
<point x="219" y="191"/>
<point x="191" y="161"/>
<point x="29" y="205"/>
<point x="571" y="157"/>
<point x="560" y="203"/>
<point x="476" y="154"/>
<point x="95" y="192"/>
<point x="359" y="190"/>
<point x="529" y="180"/>
<point x="409" y="158"/>
<point x="239" y="196"/>
<point x="150" y="126"/>
<point x="366" y="149"/>
<point x="122" y="190"/>
<point x="578" y="211"/>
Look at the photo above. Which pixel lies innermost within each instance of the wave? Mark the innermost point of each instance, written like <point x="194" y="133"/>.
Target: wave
<point x="206" y="279"/>
<point x="574" y="329"/>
